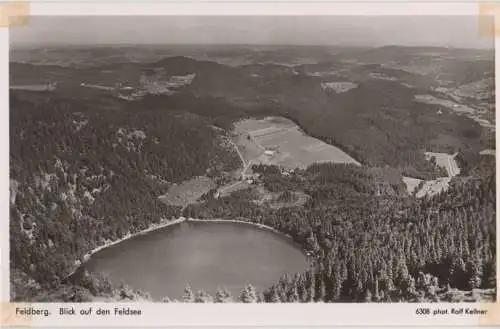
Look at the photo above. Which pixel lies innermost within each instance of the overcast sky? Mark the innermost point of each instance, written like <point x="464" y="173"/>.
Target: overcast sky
<point x="449" y="31"/>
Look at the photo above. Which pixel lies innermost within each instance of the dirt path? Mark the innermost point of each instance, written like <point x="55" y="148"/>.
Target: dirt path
<point x="453" y="167"/>
<point x="246" y="165"/>
<point x="239" y="153"/>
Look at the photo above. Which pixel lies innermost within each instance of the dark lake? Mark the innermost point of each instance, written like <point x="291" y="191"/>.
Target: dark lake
<point x="204" y="255"/>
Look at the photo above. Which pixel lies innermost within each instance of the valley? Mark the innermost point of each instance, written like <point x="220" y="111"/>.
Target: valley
<point x="331" y="148"/>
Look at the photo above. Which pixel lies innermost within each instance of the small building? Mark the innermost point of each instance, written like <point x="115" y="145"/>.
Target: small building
<point x="269" y="153"/>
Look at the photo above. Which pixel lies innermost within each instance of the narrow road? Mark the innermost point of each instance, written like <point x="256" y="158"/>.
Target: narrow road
<point x="245" y="167"/>
<point x="239" y="153"/>
<point x="453" y="169"/>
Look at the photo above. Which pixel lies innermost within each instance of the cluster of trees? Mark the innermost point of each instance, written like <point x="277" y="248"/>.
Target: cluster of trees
<point x="379" y="123"/>
<point x="475" y="164"/>
<point x="370" y="246"/>
<point x="81" y="176"/>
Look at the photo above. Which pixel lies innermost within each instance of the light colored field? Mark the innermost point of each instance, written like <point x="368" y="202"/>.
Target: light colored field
<point x="429" y="188"/>
<point x="293" y="148"/>
<point x="411" y="184"/>
<point x="434" y="187"/>
<point x="247" y="147"/>
<point x="446" y="161"/>
<point x="488" y="152"/>
<point x="237" y="186"/>
<point x="457" y="108"/>
<point x="39" y="87"/>
<point x="382" y="76"/>
<point x="272" y="199"/>
<point x="338" y="87"/>
<point x="188" y="191"/>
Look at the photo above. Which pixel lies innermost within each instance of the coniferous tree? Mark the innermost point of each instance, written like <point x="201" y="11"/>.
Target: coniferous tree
<point x="203" y="297"/>
<point x="223" y="296"/>
<point x="188" y="296"/>
<point x="248" y="295"/>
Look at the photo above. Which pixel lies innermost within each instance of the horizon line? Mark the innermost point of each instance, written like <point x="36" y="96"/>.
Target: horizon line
<point x="54" y="45"/>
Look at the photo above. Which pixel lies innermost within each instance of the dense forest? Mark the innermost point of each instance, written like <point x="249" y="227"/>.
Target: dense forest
<point x="367" y="247"/>
<point x="81" y="177"/>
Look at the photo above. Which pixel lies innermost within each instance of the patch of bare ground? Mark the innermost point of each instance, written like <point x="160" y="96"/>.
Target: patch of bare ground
<point x="460" y="296"/>
<point x="338" y="87"/>
<point x="237" y="186"/>
<point x="188" y="192"/>
<point x="412" y="184"/>
<point x="422" y="188"/>
<point x="433" y="187"/>
<point x="277" y="200"/>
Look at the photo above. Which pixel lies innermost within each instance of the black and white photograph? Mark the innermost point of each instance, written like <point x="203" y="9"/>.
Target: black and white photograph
<point x="252" y="159"/>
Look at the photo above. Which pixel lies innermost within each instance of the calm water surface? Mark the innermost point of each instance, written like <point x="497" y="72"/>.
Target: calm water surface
<point x="205" y="255"/>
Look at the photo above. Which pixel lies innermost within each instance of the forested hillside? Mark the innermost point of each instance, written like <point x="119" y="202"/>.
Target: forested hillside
<point x="375" y="247"/>
<point x="82" y="176"/>
<point x="378" y="122"/>
<point x="87" y="168"/>
<point x="366" y="247"/>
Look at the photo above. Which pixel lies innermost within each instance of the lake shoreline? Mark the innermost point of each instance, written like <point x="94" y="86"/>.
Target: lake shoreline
<point x="257" y="225"/>
<point x="165" y="224"/>
<point x="151" y="228"/>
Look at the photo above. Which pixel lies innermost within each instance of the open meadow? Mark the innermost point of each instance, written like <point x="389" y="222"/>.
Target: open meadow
<point x="188" y="192"/>
<point x="281" y="142"/>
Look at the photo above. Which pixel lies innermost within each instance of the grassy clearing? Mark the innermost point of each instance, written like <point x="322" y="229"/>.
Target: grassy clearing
<point x="284" y="199"/>
<point x="434" y="187"/>
<point x="237" y="186"/>
<point x="247" y="147"/>
<point x="188" y="192"/>
<point x="411" y="184"/>
<point x="291" y="148"/>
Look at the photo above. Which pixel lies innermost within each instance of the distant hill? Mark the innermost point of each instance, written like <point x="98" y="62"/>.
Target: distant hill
<point x="377" y="122"/>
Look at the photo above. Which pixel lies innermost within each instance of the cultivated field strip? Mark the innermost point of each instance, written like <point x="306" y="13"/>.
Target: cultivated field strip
<point x="287" y="146"/>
